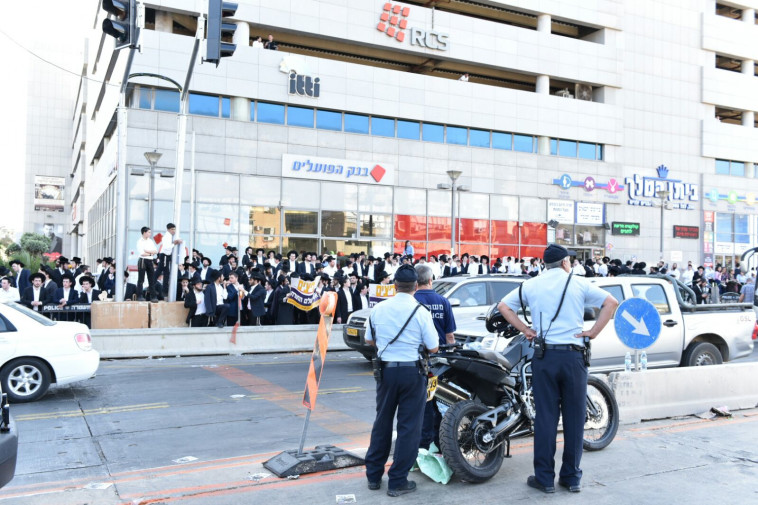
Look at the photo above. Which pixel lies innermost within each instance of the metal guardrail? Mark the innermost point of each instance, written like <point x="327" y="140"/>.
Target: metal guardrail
<point x="79" y="313"/>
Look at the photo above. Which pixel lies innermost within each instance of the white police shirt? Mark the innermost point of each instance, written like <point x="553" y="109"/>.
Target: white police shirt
<point x="389" y="316"/>
<point x="542" y="294"/>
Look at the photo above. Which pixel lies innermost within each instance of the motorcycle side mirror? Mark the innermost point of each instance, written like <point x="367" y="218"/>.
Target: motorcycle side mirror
<point x="589" y="314"/>
<point x="454" y="302"/>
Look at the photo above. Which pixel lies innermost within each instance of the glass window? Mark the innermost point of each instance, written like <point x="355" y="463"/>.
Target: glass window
<point x="299" y="116"/>
<point x="554" y="147"/>
<point x="302" y="194"/>
<point x="299" y="244"/>
<point x="215" y="187"/>
<point x="300" y="222"/>
<point x="226" y="104"/>
<point x="166" y="99"/>
<point x="654" y="294"/>
<point x="567" y="148"/>
<point x="408" y="129"/>
<point x="383" y="127"/>
<point x="504" y="207"/>
<point x="433" y="132"/>
<point x="328" y="120"/>
<point x="471" y="294"/>
<point x="587" y="151"/>
<point x="722" y="167"/>
<point x="500" y="289"/>
<point x="374" y="198"/>
<point x="338" y="224"/>
<point x="741" y="235"/>
<point x="457" y="135"/>
<point x="355" y="123"/>
<point x="413" y="201"/>
<point x="337" y="196"/>
<point x="738" y="168"/>
<point x="216" y="218"/>
<point x="599" y="152"/>
<point x="502" y="141"/>
<point x="523" y="143"/>
<point x="474" y="205"/>
<point x="589" y="235"/>
<point x="260" y="190"/>
<point x="270" y="113"/>
<point x="723" y="227"/>
<point x="145" y="98"/>
<point x="252" y="111"/>
<point x="263" y="221"/>
<point x="373" y="225"/>
<point x="439" y="203"/>
<point x="479" y="138"/>
<point x="564" y="234"/>
<point x="204" y="105"/>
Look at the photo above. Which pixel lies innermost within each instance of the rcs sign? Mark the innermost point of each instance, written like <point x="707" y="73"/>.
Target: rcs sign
<point x="393" y="22"/>
<point x="430" y="39"/>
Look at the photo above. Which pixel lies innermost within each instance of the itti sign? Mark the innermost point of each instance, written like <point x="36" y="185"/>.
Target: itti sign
<point x="628" y="229"/>
<point x="643" y="191"/>
<point x="686" y="231"/>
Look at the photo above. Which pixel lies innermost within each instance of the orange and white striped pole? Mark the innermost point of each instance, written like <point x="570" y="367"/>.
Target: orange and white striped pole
<point x="326" y="307"/>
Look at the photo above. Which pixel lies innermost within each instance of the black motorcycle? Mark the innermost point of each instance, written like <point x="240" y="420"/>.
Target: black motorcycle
<point x="489" y="402"/>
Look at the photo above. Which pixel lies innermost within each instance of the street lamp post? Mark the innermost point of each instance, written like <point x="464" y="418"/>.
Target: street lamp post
<point x="663" y="195"/>
<point x="152" y="158"/>
<point x="454" y="175"/>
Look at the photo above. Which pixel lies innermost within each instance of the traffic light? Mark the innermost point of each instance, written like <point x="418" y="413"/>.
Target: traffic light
<point x="218" y="29"/>
<point x="124" y="27"/>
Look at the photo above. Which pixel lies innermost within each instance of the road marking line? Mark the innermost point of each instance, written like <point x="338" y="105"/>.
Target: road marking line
<point x="94" y="412"/>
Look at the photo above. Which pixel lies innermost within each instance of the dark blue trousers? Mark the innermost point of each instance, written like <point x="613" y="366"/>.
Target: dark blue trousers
<point x="430" y="429"/>
<point x="559" y="382"/>
<point x="402" y="390"/>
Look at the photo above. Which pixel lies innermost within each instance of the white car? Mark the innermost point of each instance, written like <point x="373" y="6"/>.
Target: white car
<point x="35" y="352"/>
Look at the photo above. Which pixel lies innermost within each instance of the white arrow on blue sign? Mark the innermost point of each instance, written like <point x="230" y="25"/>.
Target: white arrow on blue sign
<point x="637" y="323"/>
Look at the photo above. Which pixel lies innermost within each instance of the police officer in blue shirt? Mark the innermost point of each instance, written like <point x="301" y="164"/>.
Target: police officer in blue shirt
<point x="398" y="327"/>
<point x="444" y="323"/>
<point x="559" y="379"/>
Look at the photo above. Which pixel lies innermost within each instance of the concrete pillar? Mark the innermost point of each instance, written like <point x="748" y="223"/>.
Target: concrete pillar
<point x="164" y="22"/>
<point x="544" y="23"/>
<point x="748" y="67"/>
<point x="748" y="118"/>
<point x="543" y="145"/>
<point x="748" y="16"/>
<point x="242" y="34"/>
<point x="240" y="108"/>
<point x="749" y="169"/>
<point x="543" y="84"/>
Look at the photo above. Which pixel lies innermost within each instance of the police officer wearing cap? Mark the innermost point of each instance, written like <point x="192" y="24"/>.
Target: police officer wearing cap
<point x="398" y="327"/>
<point x="559" y="379"/>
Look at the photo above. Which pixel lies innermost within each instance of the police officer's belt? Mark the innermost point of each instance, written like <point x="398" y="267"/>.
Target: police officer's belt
<point x="390" y="364"/>
<point x="564" y="347"/>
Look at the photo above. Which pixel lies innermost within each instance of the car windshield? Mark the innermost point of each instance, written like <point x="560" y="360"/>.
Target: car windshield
<point x="30" y="313"/>
<point x="442" y="287"/>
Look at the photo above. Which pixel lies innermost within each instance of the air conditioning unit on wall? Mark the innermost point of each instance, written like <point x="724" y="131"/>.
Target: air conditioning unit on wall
<point x="565" y="93"/>
<point x="583" y="92"/>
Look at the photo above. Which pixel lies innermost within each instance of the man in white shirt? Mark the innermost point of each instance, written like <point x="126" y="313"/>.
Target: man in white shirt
<point x="8" y="293"/>
<point x="166" y="250"/>
<point x="331" y="268"/>
<point x="146" y="251"/>
<point x="674" y="272"/>
<point x="688" y="274"/>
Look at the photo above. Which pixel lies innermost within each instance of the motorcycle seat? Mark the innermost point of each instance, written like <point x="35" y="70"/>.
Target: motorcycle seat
<point x="496" y="357"/>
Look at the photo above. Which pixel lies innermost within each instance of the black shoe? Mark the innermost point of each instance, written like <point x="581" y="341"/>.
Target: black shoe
<point x="409" y="487"/>
<point x="574" y="488"/>
<point x="373" y="486"/>
<point x="219" y="326"/>
<point x="141" y="299"/>
<point x="533" y="482"/>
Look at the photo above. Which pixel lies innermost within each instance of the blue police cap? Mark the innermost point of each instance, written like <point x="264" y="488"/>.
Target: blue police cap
<point x="406" y="273"/>
<point x="555" y="252"/>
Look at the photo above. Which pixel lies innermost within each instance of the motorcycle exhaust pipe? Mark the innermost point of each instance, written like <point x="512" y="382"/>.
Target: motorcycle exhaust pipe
<point x="449" y="395"/>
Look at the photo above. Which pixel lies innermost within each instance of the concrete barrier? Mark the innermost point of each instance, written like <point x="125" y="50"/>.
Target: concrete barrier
<point x="670" y="392"/>
<point x="127" y="343"/>
<point x="168" y="315"/>
<point x="120" y="315"/>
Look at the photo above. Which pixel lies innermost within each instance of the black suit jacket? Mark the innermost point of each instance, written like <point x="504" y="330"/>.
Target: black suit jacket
<point x="210" y="298"/>
<point x="28" y="297"/>
<point x="73" y="296"/>
<point x="130" y="291"/>
<point x="84" y="300"/>
<point x="50" y="291"/>
<point x="256" y="297"/>
<point x="342" y="308"/>
<point x="190" y="302"/>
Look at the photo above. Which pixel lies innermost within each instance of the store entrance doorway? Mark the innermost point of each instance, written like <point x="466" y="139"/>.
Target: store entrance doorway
<point x="585" y="253"/>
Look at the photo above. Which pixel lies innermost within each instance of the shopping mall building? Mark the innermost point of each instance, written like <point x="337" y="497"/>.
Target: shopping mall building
<point x="576" y="123"/>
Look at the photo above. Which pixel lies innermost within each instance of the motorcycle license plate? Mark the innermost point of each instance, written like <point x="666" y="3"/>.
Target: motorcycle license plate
<point x="431" y="387"/>
<point x="353" y="332"/>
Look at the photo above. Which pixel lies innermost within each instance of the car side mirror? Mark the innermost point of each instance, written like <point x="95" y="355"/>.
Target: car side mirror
<point x="454" y="302"/>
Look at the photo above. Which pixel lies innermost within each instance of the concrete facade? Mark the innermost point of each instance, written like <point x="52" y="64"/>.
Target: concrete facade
<point x="655" y="88"/>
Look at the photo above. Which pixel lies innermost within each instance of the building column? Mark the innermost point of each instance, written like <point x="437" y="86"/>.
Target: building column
<point x="748" y="118"/>
<point x="544" y="23"/>
<point x="748" y="16"/>
<point x="543" y="84"/>
<point x="240" y="108"/>
<point x="749" y="169"/>
<point x="543" y="145"/>
<point x="748" y="67"/>
<point x="242" y="34"/>
<point x="164" y="22"/>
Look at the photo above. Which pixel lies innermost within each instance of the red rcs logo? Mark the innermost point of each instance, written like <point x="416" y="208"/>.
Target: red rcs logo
<point x="391" y="16"/>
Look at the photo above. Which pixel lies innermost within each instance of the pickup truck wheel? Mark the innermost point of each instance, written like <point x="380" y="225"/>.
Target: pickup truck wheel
<point x="703" y="354"/>
<point x="25" y="379"/>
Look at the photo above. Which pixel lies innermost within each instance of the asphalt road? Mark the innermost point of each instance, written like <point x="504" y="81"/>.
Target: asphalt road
<point x="196" y="431"/>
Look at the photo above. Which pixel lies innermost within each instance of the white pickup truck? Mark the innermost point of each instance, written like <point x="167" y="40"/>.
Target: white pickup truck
<point x="690" y="335"/>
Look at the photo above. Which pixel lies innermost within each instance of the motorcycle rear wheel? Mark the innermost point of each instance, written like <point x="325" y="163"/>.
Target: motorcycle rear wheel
<point x="600" y="429"/>
<point x="458" y="448"/>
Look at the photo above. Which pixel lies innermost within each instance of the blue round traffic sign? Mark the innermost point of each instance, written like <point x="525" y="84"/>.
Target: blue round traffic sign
<point x="637" y="323"/>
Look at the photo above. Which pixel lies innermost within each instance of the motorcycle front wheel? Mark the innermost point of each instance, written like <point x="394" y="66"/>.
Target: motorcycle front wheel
<point x="458" y="445"/>
<point x="602" y="420"/>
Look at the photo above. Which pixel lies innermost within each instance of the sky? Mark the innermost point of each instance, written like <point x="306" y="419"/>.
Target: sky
<point x="16" y="19"/>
